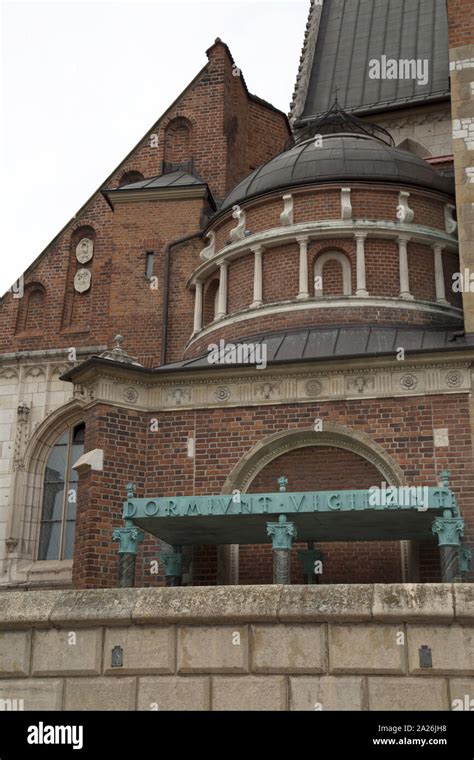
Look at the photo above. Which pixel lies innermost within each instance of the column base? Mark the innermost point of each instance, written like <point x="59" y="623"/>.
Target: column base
<point x="362" y="293"/>
<point x="407" y="296"/>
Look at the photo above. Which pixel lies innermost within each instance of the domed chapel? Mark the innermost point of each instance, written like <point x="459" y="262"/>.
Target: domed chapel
<point x="248" y="358"/>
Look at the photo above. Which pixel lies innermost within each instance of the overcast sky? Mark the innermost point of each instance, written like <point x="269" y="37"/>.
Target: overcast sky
<point x="82" y="82"/>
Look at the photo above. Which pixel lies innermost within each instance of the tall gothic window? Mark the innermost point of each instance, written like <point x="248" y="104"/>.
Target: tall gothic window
<point x="58" y="518"/>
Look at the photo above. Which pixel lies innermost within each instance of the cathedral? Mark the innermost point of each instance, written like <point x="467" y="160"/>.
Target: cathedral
<point x="248" y="358"/>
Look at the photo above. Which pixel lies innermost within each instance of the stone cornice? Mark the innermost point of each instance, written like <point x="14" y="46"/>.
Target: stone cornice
<point x="344" y="302"/>
<point x="159" y="194"/>
<point x="411" y="602"/>
<point x="320" y="230"/>
<point x="289" y="384"/>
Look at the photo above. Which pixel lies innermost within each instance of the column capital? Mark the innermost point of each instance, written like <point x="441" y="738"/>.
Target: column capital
<point x="129" y="538"/>
<point x="173" y="563"/>
<point x="302" y="239"/>
<point x="224" y="265"/>
<point x="282" y="533"/>
<point x="449" y="530"/>
<point x="403" y="237"/>
<point x="360" y="235"/>
<point x="438" y="246"/>
<point x="257" y="249"/>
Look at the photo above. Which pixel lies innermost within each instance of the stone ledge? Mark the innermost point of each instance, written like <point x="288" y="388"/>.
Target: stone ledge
<point x="237" y="604"/>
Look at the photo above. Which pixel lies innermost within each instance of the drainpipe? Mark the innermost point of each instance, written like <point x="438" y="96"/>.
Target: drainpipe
<point x="166" y="277"/>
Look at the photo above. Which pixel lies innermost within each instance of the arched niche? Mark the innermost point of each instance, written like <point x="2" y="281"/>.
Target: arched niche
<point x="331" y="257"/>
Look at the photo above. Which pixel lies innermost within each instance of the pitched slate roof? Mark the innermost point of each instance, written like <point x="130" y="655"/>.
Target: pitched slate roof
<point x="352" y="32"/>
<point x="325" y="343"/>
<point x="173" y="179"/>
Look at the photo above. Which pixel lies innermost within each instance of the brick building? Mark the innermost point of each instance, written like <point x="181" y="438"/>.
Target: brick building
<point x="328" y="244"/>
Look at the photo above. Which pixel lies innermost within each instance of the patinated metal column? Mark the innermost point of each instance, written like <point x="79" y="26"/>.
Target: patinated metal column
<point x="129" y="538"/>
<point x="449" y="530"/>
<point x="173" y="562"/>
<point x="282" y="533"/>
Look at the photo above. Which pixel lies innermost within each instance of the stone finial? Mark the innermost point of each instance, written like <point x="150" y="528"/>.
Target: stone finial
<point x="118" y="354"/>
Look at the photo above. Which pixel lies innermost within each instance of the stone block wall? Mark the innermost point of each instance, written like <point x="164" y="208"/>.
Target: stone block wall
<point x="239" y="648"/>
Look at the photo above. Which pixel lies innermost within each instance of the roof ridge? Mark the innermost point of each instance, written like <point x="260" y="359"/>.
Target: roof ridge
<point x="306" y="60"/>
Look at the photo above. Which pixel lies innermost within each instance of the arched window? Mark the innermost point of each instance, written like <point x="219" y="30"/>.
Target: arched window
<point x="58" y="517"/>
<point x="130" y="177"/>
<point x="332" y="275"/>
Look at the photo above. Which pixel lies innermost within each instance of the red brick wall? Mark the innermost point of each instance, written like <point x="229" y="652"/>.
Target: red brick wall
<point x="320" y="468"/>
<point x="218" y="109"/>
<point x="332" y="278"/>
<point x="324" y="202"/>
<point x="460" y="22"/>
<point x="158" y="463"/>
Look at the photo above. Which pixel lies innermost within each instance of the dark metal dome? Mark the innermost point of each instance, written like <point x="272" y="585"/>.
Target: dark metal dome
<point x="341" y="157"/>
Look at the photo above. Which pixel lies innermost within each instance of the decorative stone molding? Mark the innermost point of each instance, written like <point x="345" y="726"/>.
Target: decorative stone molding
<point x="91" y="460"/>
<point x="209" y="251"/>
<point x="361" y="383"/>
<point x="449" y="221"/>
<point x="283" y="386"/>
<point x="178" y="395"/>
<point x="35" y="372"/>
<point x="82" y="280"/>
<point x="238" y="233"/>
<point x="84" y="250"/>
<point x="334" y="435"/>
<point x="130" y="395"/>
<point x="286" y="216"/>
<point x="21" y="435"/>
<point x="346" y="207"/>
<point x="9" y="373"/>
<point x="222" y="393"/>
<point x="404" y="212"/>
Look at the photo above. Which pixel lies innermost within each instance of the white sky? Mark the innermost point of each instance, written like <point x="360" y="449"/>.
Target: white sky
<point x="82" y="81"/>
